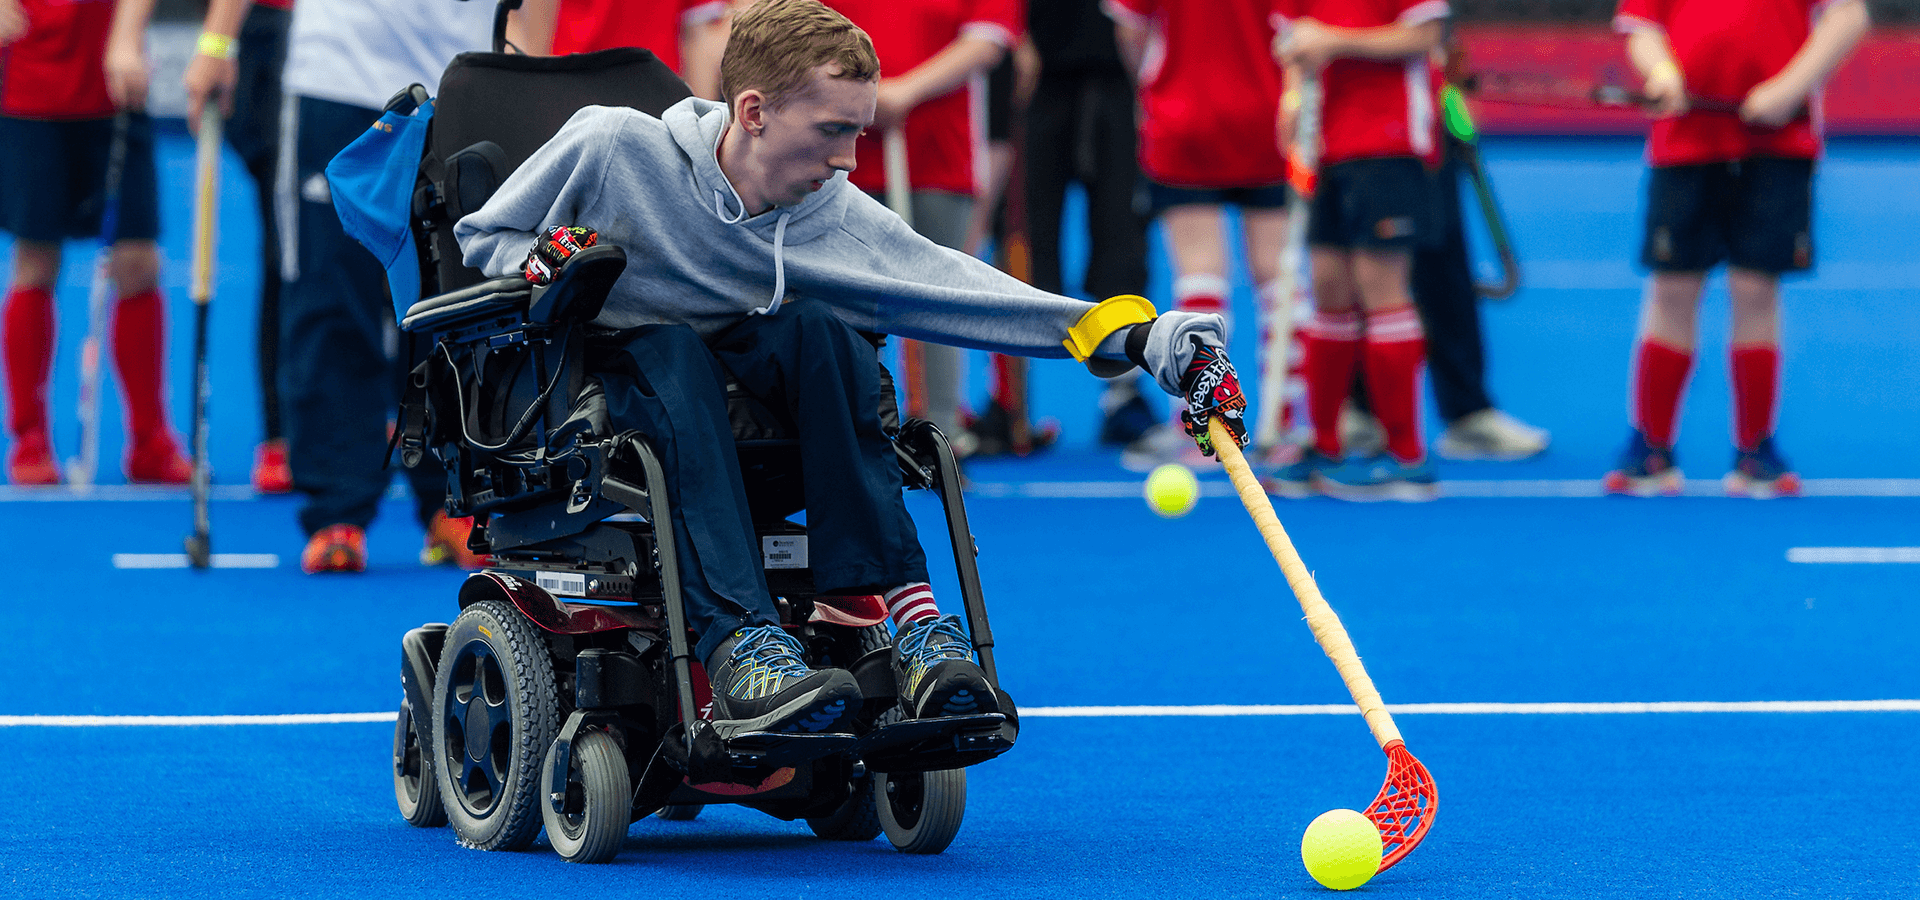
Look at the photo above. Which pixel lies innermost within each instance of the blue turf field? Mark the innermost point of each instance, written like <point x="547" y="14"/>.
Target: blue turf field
<point x="1096" y="603"/>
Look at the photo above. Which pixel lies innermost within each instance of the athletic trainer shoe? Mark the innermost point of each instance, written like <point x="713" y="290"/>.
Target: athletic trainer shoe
<point x="1491" y="435"/>
<point x="1360" y="432"/>
<point x="156" y="459"/>
<point x="1298" y="479"/>
<point x="446" y="543"/>
<point x="1127" y="421"/>
<point x="271" y="475"/>
<point x="1161" y="444"/>
<point x="1644" y="470"/>
<point x="761" y="683"/>
<point x="335" y="549"/>
<point x="31" y="460"/>
<point x="1381" y="477"/>
<point x="933" y="661"/>
<point x="1761" y="473"/>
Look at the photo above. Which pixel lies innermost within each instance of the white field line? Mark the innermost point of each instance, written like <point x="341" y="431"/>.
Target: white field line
<point x="1111" y="712"/>
<point x="11" y="493"/>
<point x="1518" y="488"/>
<point x="179" y="560"/>
<point x="1853" y="554"/>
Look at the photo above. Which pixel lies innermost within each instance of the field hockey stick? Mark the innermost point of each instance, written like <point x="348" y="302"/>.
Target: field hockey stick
<point x="1531" y="89"/>
<point x="1460" y="125"/>
<point x="893" y="144"/>
<point x="1305" y="163"/>
<point x="206" y="209"/>
<point x="1405" y="807"/>
<point x="82" y="469"/>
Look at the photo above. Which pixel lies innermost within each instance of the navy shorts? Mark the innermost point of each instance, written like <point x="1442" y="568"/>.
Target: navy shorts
<point x="1163" y="197"/>
<point x="1754" y="213"/>
<point x="53" y="178"/>
<point x="1383" y="202"/>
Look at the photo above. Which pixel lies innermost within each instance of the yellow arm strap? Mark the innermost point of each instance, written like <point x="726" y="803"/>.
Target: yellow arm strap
<point x="1105" y="318"/>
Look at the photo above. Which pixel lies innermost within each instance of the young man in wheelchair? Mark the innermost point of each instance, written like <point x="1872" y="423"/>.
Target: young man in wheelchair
<point x="751" y="255"/>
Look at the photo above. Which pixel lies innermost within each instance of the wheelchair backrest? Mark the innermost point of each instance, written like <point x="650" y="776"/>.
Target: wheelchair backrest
<point x="516" y="104"/>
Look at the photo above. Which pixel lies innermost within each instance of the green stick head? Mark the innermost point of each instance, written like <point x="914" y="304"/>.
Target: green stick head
<point x="1459" y="121"/>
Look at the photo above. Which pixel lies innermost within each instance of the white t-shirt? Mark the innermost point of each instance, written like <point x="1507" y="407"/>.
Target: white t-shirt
<point x="362" y="52"/>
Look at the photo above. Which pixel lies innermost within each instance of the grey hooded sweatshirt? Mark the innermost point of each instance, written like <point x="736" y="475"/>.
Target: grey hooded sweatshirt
<point x="654" y="187"/>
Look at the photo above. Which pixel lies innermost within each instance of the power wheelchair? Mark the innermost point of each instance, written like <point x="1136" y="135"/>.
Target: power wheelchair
<point x="564" y="694"/>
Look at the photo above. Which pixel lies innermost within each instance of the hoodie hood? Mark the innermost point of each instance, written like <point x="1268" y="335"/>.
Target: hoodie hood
<point x="696" y="126"/>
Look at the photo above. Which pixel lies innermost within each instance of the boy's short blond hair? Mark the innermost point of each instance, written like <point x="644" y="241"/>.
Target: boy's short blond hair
<point x="775" y="45"/>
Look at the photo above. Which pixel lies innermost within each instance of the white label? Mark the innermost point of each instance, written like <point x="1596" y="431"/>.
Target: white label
<point x="784" y="551"/>
<point x="571" y="584"/>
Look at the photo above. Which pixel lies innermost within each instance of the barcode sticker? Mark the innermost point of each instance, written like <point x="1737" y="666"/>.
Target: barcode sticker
<point x="569" y="584"/>
<point x="784" y="551"/>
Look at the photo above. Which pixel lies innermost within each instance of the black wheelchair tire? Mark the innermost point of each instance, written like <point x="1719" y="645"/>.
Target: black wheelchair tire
<point x="493" y="648"/>
<point x="921" y="811"/>
<point x="854" y="820"/>
<point x="415" y="789"/>
<point x="598" y="783"/>
<point x="681" y="812"/>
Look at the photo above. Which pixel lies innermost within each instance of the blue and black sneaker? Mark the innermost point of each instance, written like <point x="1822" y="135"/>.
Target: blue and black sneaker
<point x="1299" y="479"/>
<point x="761" y="683"/>
<point x="933" y="662"/>
<point x="1761" y="473"/>
<point x="1381" y="477"/>
<point x="1644" y="470"/>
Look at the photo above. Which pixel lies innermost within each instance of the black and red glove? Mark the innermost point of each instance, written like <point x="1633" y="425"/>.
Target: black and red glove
<point x="552" y="250"/>
<point x="1212" y="388"/>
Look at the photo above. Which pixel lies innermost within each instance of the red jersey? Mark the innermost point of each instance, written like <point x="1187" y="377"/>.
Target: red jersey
<point x="942" y="133"/>
<point x="1373" y="108"/>
<point x="55" y="70"/>
<point x="1725" y="48"/>
<point x="588" y="25"/>
<point x="1209" y="91"/>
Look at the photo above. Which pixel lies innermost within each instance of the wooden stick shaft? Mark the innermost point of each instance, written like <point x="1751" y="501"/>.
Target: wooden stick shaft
<point x="1326" y="626"/>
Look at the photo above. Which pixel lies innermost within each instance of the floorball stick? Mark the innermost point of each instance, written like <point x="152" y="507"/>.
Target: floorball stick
<point x="1467" y="144"/>
<point x="1304" y="161"/>
<point x="206" y="211"/>
<point x="1405" y="806"/>
<point x="82" y="469"/>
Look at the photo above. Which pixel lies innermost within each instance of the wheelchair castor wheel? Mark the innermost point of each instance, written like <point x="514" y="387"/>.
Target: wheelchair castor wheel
<point x="854" y="820"/>
<point x="496" y="711"/>
<point x="596" y="802"/>
<point x="921" y="811"/>
<point x="413" y="782"/>
<point x="681" y="812"/>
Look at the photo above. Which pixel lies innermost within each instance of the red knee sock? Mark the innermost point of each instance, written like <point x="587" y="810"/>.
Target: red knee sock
<point x="911" y="601"/>
<point x="1333" y="347"/>
<point x="139" y="352"/>
<point x="1659" y="375"/>
<point x="1202" y="293"/>
<point x="1396" y="346"/>
<point x="1756" y="392"/>
<point x="28" y="333"/>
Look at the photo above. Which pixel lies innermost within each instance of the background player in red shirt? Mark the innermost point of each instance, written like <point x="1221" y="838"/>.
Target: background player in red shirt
<point x="1725" y="187"/>
<point x="687" y="35"/>
<point x="1374" y="204"/>
<point x="56" y="131"/>
<point x="932" y="52"/>
<point x="1208" y="93"/>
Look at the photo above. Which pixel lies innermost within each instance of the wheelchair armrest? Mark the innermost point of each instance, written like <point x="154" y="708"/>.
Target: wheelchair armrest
<point x="581" y="286"/>
<point x="492" y="295"/>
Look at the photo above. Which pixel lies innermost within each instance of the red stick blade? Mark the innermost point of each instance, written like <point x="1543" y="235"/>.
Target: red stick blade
<point x="1404" y="808"/>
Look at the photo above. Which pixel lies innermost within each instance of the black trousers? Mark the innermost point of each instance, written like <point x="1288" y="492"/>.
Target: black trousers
<point x="1081" y="128"/>
<point x="803" y="362"/>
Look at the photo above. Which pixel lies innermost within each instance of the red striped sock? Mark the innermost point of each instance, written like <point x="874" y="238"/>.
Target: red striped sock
<point x="911" y="601"/>
<point x="1756" y="392"/>
<point x="1203" y="293"/>
<point x="1333" y="348"/>
<point x="28" y="336"/>
<point x="1659" y="375"/>
<point x="139" y="352"/>
<point x="1396" y="346"/>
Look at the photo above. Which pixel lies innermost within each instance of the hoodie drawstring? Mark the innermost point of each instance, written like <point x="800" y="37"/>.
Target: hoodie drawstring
<point x="779" y="251"/>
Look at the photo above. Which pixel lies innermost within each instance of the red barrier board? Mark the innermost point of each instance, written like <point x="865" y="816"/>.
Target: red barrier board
<point x="1876" y="92"/>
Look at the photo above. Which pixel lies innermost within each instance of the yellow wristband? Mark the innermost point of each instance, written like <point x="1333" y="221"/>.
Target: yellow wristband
<point x="218" y="46"/>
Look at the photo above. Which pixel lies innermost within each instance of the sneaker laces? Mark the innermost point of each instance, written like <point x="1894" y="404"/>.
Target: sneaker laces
<point x="918" y="642"/>
<point x="765" y="655"/>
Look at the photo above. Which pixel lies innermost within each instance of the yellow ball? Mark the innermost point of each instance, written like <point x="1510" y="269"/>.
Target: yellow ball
<point x="1172" y="490"/>
<point x="1341" y="849"/>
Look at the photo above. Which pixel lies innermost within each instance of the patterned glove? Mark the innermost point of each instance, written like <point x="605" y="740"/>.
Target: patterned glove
<point x="1212" y="388"/>
<point x="555" y="246"/>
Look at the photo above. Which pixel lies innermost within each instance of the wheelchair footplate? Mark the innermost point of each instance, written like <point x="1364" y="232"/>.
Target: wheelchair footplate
<point x="923" y="745"/>
<point x="775" y="749"/>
